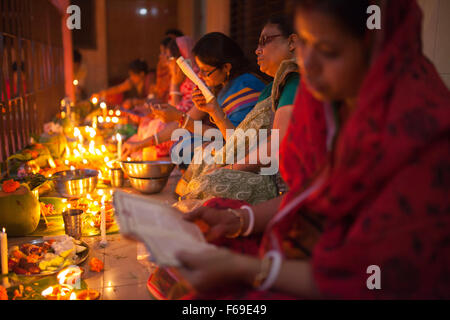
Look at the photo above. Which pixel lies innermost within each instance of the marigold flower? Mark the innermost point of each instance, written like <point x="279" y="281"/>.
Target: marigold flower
<point x="96" y="265"/>
<point x="10" y="186"/>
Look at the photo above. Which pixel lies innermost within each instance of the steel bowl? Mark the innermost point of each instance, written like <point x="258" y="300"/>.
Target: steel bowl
<point x="149" y="186"/>
<point x="147" y="169"/>
<point x="75" y="183"/>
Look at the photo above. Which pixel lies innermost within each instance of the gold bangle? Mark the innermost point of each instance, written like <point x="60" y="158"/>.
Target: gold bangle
<point x="241" y="224"/>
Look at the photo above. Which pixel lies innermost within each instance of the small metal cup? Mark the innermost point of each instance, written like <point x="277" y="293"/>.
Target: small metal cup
<point x="72" y="222"/>
<point x="117" y="178"/>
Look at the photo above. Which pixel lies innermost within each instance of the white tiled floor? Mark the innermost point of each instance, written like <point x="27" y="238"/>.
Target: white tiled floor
<point x="124" y="277"/>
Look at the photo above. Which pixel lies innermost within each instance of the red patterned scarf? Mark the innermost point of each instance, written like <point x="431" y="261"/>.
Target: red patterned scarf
<point x="385" y="196"/>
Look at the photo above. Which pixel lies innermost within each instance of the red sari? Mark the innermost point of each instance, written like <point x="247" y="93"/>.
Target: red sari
<point x="385" y="195"/>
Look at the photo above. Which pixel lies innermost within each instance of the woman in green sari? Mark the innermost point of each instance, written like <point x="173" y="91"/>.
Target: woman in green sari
<point x="276" y="58"/>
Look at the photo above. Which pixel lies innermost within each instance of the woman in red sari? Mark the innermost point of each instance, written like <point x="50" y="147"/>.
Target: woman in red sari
<point x="383" y="186"/>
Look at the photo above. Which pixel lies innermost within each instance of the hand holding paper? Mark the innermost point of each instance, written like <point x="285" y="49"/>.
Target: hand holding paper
<point x="161" y="227"/>
<point x="186" y="68"/>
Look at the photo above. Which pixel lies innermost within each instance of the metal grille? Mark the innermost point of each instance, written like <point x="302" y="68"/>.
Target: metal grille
<point x="30" y="39"/>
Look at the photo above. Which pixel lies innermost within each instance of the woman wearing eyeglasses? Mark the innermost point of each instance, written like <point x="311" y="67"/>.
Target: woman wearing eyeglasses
<point x="226" y="70"/>
<point x="242" y="181"/>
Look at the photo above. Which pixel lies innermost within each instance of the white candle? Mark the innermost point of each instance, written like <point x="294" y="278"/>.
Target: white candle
<point x="119" y="146"/>
<point x="103" y="242"/>
<point x="4" y="251"/>
<point x="103" y="107"/>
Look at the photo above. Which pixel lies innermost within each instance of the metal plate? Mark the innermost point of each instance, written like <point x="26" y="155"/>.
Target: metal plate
<point x="82" y="256"/>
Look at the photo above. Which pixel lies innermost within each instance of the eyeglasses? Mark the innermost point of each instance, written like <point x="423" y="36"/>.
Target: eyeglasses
<point x="207" y="74"/>
<point x="264" y="40"/>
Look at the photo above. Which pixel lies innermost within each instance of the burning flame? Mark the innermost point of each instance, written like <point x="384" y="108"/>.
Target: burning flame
<point x="103" y="105"/>
<point x="51" y="163"/>
<point x="118" y="113"/>
<point x="70" y="275"/>
<point x="75" y="82"/>
<point x="94" y="100"/>
<point x="47" y="291"/>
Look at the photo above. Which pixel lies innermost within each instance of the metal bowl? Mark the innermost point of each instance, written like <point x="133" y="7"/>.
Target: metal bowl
<point x="149" y="186"/>
<point x="147" y="169"/>
<point x="75" y="183"/>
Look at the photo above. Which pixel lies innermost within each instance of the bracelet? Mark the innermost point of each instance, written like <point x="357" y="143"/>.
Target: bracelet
<point x="156" y="139"/>
<point x="241" y="224"/>
<point x="251" y="220"/>
<point x="186" y="121"/>
<point x="181" y="120"/>
<point x="270" y="268"/>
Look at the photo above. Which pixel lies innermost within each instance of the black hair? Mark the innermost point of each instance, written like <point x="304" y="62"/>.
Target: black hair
<point x="165" y="42"/>
<point x="283" y="23"/>
<point x="174" y="49"/>
<point x="352" y="14"/>
<point x="138" y="66"/>
<point x="174" y="32"/>
<point x="77" y="57"/>
<point x="216" y="49"/>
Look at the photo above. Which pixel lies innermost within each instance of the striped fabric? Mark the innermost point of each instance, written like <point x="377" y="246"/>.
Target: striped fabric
<point x="240" y="96"/>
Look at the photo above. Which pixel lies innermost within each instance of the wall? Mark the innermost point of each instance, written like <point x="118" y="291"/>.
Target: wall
<point x="436" y="28"/>
<point x="217" y="16"/>
<point x="96" y="60"/>
<point x="131" y="36"/>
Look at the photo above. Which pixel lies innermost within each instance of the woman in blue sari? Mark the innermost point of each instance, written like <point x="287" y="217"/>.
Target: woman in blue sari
<point x="227" y="72"/>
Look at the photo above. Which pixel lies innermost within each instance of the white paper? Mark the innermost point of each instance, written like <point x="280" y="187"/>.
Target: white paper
<point x="186" y="68"/>
<point x="159" y="226"/>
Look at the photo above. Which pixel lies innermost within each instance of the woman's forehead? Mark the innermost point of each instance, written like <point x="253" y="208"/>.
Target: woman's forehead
<point x="269" y="29"/>
<point x="201" y="64"/>
<point x="319" y="27"/>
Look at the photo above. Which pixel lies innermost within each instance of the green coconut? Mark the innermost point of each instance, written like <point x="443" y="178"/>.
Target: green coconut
<point x="19" y="212"/>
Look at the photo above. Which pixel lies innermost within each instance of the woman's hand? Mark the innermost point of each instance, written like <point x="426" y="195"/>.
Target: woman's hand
<point x="211" y="269"/>
<point x="177" y="75"/>
<point x="131" y="146"/>
<point x="200" y="102"/>
<point x="166" y="112"/>
<point x="220" y="223"/>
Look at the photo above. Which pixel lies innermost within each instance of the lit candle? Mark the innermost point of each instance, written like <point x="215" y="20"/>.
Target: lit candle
<point x="67" y="152"/>
<point x="4" y="251"/>
<point x="92" y="147"/>
<point x="94" y="122"/>
<point x="75" y="82"/>
<point x="119" y="146"/>
<point x="77" y="134"/>
<point x="103" y="242"/>
<point x="4" y="257"/>
<point x="103" y="107"/>
<point x="94" y="100"/>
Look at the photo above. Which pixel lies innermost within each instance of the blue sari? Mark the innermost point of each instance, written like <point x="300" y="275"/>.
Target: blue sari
<point x="236" y="99"/>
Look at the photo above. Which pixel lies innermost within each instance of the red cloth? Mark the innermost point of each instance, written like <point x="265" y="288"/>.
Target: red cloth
<point x="385" y="195"/>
